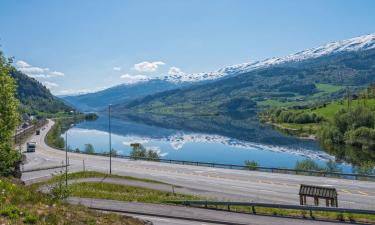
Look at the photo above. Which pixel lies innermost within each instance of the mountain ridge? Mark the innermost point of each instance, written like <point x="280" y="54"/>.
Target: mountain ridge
<point x="356" y="44"/>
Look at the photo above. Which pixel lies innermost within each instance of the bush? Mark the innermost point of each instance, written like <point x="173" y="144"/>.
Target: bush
<point x="12" y="212"/>
<point x="332" y="167"/>
<point x="366" y="168"/>
<point x="330" y="135"/>
<point x="251" y="164"/>
<point x="60" y="191"/>
<point x="362" y="137"/>
<point x="30" y="219"/>
<point x="307" y="164"/>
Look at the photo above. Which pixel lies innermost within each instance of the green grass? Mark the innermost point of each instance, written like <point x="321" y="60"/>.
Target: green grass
<point x="274" y="103"/>
<point x="124" y="193"/>
<point x="92" y="174"/>
<point x="330" y="109"/>
<point x="24" y="205"/>
<point x="325" y="89"/>
<point x="138" y="194"/>
<point x="348" y="217"/>
<point x="322" y="90"/>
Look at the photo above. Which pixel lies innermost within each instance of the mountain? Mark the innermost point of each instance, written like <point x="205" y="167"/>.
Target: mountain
<point x="125" y="92"/>
<point x="361" y="43"/>
<point x="117" y="94"/>
<point x="313" y="75"/>
<point x="34" y="97"/>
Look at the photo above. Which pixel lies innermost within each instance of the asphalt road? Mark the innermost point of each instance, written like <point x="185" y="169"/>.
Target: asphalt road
<point x="223" y="184"/>
<point x="187" y="215"/>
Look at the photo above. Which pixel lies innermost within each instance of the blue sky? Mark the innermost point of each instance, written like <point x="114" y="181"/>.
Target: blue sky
<point x="90" y="44"/>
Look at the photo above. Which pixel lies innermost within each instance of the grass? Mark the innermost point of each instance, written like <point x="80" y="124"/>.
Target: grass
<point x="327" y="111"/>
<point x="330" y="109"/>
<point x="326" y="89"/>
<point x="138" y="194"/>
<point x="274" y="103"/>
<point x="92" y="174"/>
<point x="348" y="217"/>
<point x="322" y="90"/>
<point x="124" y="193"/>
<point x="22" y="205"/>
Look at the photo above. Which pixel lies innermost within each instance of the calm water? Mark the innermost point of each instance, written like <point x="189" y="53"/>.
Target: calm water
<point x="196" y="146"/>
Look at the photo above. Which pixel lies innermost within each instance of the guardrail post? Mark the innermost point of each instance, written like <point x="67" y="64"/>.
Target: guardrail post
<point x="253" y="209"/>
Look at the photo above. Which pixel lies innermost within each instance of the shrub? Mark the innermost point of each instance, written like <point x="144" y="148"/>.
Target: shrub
<point x="307" y="164"/>
<point x="11" y="212"/>
<point x="362" y="137"/>
<point x="30" y="219"/>
<point x="251" y="164"/>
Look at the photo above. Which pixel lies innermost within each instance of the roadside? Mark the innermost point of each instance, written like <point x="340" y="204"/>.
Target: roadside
<point x="128" y="195"/>
<point x="225" y="184"/>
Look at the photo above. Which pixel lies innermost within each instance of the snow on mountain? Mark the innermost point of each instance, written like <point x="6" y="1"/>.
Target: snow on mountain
<point x="360" y="43"/>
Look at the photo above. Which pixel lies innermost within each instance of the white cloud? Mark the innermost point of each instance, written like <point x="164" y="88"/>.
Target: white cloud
<point x="49" y="85"/>
<point x="33" y="70"/>
<point x="22" y="64"/>
<point x="57" y="74"/>
<point x="148" y="66"/>
<point x="37" y="72"/>
<point x="132" y="79"/>
<point x="49" y="75"/>
<point x="175" y="71"/>
<point x="116" y="68"/>
<point x="81" y="91"/>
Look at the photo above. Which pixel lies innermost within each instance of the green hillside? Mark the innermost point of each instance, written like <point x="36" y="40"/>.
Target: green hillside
<point x="34" y="97"/>
<point x="242" y="95"/>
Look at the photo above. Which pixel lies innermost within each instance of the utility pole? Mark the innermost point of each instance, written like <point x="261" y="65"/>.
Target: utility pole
<point x="110" y="139"/>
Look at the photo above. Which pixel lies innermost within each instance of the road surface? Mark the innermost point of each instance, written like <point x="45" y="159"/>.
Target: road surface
<point x="168" y="214"/>
<point x="223" y="184"/>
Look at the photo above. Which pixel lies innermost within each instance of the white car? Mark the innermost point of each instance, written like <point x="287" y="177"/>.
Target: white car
<point x="31" y="146"/>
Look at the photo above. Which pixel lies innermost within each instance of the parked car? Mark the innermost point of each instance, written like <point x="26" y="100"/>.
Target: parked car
<point x="31" y="146"/>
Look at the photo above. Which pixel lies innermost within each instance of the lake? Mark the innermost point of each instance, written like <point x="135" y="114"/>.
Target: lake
<point x="272" y="150"/>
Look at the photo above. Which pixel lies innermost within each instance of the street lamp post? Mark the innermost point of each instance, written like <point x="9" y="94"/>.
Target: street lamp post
<point x="66" y="153"/>
<point x="110" y="139"/>
<point x="66" y="158"/>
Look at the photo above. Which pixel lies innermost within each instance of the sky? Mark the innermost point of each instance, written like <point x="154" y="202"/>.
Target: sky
<point x="79" y="46"/>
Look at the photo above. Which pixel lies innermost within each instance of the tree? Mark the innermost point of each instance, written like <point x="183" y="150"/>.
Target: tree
<point x="89" y="149"/>
<point x="139" y="151"/>
<point x="9" y="119"/>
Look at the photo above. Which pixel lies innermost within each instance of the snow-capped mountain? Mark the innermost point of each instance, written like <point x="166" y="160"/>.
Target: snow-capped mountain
<point x="127" y="91"/>
<point x="360" y="43"/>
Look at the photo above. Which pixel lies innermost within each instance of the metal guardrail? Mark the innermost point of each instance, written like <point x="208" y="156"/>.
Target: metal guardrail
<point x="351" y="176"/>
<point x="43" y="168"/>
<point x="21" y="135"/>
<point x="253" y="206"/>
<point x="257" y="168"/>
